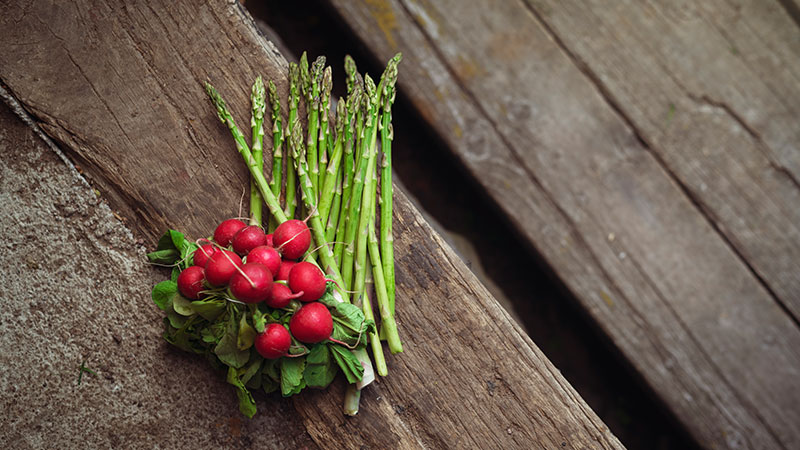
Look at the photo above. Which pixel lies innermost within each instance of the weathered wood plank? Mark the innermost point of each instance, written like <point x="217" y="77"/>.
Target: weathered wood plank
<point x="717" y="98"/>
<point x="119" y="89"/>
<point x="598" y="203"/>
<point x="89" y="306"/>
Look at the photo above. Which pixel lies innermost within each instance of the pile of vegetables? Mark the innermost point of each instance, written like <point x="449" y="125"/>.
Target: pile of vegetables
<point x="284" y="302"/>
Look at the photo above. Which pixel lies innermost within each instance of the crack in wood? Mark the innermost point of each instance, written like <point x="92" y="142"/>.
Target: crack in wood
<point x="752" y="132"/>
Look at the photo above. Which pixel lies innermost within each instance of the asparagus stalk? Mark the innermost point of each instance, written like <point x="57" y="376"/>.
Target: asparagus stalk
<point x="244" y="150"/>
<point x="333" y="217"/>
<point x="291" y="173"/>
<point x="305" y="90"/>
<point x="387" y="190"/>
<point x="277" y="140"/>
<point x="331" y="179"/>
<point x="368" y="193"/>
<point x="357" y="203"/>
<point x="329" y="265"/>
<point x="277" y="149"/>
<point x="370" y="190"/>
<point x="388" y="324"/>
<point x="374" y="339"/>
<point x="324" y="132"/>
<point x="348" y="166"/>
<point x="258" y="101"/>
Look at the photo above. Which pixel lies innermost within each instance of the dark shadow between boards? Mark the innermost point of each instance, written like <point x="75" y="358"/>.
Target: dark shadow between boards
<point x="443" y="188"/>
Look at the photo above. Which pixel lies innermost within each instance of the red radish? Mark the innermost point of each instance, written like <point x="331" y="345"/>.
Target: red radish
<point x="283" y="271"/>
<point x="226" y="230"/>
<point x="201" y="255"/>
<point x="307" y="278"/>
<point x="312" y="323"/>
<point x="252" y="283"/>
<point x="248" y="238"/>
<point x="267" y="256"/>
<point x="190" y="282"/>
<point x="269" y="240"/>
<point x="221" y="266"/>
<point x="292" y="238"/>
<point x="280" y="296"/>
<point x="274" y="342"/>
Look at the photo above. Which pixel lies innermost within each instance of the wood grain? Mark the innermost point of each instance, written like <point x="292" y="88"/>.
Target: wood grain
<point x="98" y="315"/>
<point x="719" y="103"/>
<point x="685" y="283"/>
<point x="119" y="89"/>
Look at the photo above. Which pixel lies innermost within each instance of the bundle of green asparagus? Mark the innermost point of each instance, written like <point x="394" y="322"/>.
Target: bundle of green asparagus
<point x="243" y="299"/>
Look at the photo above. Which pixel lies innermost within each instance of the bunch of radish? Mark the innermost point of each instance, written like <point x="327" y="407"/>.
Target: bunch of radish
<point x="283" y="299"/>
<point x="259" y="304"/>
<point x="249" y="261"/>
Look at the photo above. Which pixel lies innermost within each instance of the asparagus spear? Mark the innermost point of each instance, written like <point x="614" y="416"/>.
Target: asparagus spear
<point x="356" y="195"/>
<point x="367" y="208"/>
<point x="299" y="155"/>
<point x="367" y="200"/>
<point x="244" y="150"/>
<point x="258" y="101"/>
<point x="331" y="179"/>
<point x="368" y="196"/>
<point x="312" y="105"/>
<point x="291" y="173"/>
<point x="348" y="166"/>
<point x="277" y="140"/>
<point x="387" y="239"/>
<point x="324" y="132"/>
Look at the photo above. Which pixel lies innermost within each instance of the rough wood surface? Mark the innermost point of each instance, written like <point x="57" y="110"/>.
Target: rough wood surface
<point x="677" y="234"/>
<point x="119" y="89"/>
<point x="716" y="96"/>
<point x="143" y="394"/>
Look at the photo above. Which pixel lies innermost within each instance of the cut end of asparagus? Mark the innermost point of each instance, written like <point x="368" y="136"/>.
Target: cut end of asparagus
<point x="352" y="398"/>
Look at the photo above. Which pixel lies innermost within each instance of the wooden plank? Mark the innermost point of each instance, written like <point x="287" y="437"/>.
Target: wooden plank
<point x="119" y="89"/>
<point x="89" y="306"/>
<point x="598" y="202"/>
<point x="717" y="98"/>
